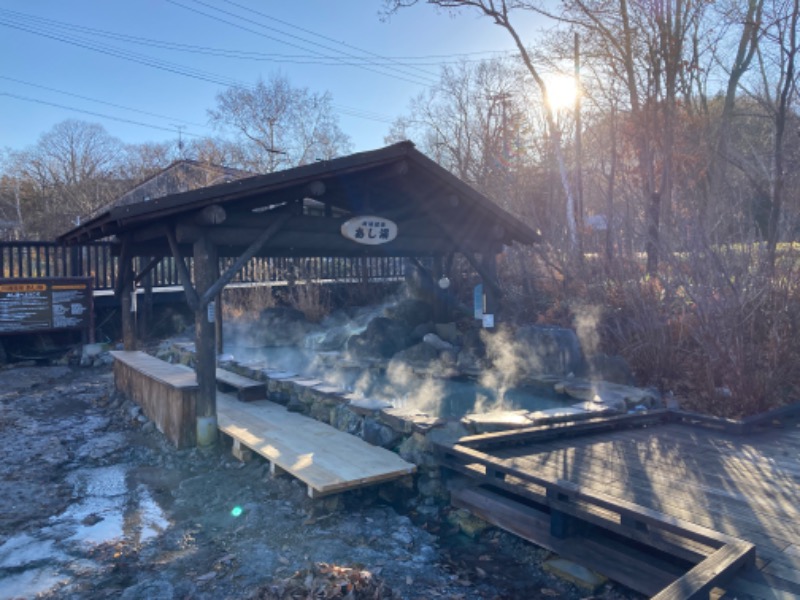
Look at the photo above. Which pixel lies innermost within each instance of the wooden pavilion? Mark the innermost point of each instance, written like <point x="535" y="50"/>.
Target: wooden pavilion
<point x="394" y="201"/>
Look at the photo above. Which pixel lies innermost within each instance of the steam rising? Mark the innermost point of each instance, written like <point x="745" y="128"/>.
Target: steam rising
<point x="586" y="322"/>
<point x="511" y="357"/>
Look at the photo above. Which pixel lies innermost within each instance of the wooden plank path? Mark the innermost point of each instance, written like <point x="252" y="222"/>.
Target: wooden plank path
<point x="747" y="487"/>
<point x="322" y="457"/>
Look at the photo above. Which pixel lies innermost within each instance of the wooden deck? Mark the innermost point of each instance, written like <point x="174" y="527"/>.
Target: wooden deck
<point x="747" y="487"/>
<point x="324" y="458"/>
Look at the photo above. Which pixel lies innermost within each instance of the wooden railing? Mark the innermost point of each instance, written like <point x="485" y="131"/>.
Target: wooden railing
<point x="47" y="259"/>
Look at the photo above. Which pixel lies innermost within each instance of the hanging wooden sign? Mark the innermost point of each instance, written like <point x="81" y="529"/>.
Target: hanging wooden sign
<point x="369" y="230"/>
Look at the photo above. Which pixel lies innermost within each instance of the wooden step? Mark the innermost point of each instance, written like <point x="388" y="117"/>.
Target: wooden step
<point x="246" y="389"/>
<point x="326" y="459"/>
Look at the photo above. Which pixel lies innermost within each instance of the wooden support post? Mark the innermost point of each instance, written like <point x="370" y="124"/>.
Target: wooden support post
<point x="562" y="524"/>
<point x="220" y="343"/>
<point x="218" y="324"/>
<point x="205" y="268"/>
<point x="276" y="471"/>
<point x="493" y="474"/>
<point x="490" y="284"/>
<point x="439" y="309"/>
<point x="192" y="296"/>
<point x="128" y="315"/>
<point x="241" y="452"/>
<point x="145" y="314"/>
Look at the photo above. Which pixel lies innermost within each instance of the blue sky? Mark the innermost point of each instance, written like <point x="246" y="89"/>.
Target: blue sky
<point x="340" y="46"/>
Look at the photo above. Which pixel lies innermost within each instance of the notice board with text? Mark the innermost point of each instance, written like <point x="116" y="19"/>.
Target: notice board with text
<point x="45" y="304"/>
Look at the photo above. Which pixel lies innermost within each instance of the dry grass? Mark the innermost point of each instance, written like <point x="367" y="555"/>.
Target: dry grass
<point x="712" y="327"/>
<point x="238" y="302"/>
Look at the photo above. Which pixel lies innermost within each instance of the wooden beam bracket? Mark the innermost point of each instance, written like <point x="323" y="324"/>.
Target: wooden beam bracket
<point x="183" y="272"/>
<point x="251" y="251"/>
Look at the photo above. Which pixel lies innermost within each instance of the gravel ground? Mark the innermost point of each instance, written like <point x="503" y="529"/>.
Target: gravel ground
<point x="94" y="503"/>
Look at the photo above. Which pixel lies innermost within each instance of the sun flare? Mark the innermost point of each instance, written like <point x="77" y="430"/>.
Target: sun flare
<point x="562" y="90"/>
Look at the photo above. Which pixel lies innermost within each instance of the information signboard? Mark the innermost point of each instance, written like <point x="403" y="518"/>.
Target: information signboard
<point x="45" y="304"/>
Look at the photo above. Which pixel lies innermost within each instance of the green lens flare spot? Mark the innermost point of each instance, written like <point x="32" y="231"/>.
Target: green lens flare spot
<point x="237" y="511"/>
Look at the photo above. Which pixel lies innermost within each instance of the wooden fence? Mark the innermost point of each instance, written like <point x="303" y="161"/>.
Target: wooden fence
<point x="95" y="260"/>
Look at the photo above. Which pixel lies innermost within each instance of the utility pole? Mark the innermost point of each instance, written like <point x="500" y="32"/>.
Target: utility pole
<point x="180" y="129"/>
<point x="578" y="144"/>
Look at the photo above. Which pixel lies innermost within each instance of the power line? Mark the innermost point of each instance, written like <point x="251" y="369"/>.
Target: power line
<point x="174" y="68"/>
<point x="324" y="37"/>
<point x="131" y="56"/>
<point x="98" y="101"/>
<point x="94" y="113"/>
<point x="353" y="60"/>
<point x="416" y="80"/>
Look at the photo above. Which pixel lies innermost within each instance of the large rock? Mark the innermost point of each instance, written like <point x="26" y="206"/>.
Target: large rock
<point x="472" y="341"/>
<point x="378" y="434"/>
<point x="548" y="350"/>
<point x="383" y="338"/>
<point x="449" y="333"/>
<point x="467" y="362"/>
<point x="619" y="397"/>
<point x="434" y="340"/>
<point x="411" y="312"/>
<point x="419" y="354"/>
<point x="421" y="330"/>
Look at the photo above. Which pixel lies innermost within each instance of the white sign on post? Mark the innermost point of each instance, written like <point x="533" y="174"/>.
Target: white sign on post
<point x="211" y="311"/>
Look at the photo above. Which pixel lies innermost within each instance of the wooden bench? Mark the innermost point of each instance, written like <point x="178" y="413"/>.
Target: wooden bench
<point x="167" y="393"/>
<point x="246" y="389"/>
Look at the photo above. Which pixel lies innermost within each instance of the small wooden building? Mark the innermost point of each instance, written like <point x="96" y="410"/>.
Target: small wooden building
<point x="394" y="201"/>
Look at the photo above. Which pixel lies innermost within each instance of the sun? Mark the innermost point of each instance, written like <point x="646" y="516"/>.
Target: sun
<point x="562" y="90"/>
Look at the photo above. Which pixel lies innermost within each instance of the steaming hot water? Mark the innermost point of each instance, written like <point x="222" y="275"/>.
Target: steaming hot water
<point x="398" y="384"/>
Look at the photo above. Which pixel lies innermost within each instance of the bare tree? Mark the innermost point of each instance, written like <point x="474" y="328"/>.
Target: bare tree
<point x="279" y="126"/>
<point x="499" y="12"/>
<point x="72" y="170"/>
<point x="783" y="35"/>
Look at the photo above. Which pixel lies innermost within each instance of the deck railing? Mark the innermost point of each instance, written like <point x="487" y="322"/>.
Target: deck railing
<point x="95" y="260"/>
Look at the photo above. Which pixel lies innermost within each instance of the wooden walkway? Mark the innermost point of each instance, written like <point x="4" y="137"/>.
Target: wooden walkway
<point x="321" y="456"/>
<point x="324" y="458"/>
<point x="747" y="487"/>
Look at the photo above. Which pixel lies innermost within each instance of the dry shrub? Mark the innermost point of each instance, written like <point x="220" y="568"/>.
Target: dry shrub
<point x="644" y="321"/>
<point x="713" y="327"/>
<point x="238" y="302"/>
<point x="746" y="333"/>
<point x="305" y="291"/>
<point x="309" y="297"/>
